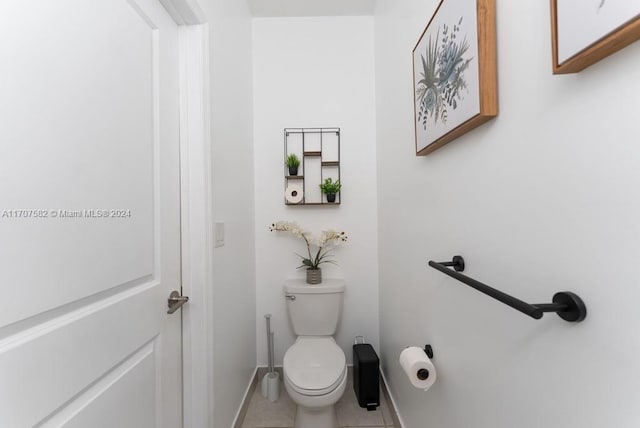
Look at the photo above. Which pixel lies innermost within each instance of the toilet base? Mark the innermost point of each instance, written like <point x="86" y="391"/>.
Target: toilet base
<point x="324" y="417"/>
<point x="316" y="411"/>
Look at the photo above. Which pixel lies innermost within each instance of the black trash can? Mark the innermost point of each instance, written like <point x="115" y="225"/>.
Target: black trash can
<point x="366" y="374"/>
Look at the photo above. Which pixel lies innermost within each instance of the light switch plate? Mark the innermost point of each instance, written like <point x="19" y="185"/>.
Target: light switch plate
<point x="218" y="233"/>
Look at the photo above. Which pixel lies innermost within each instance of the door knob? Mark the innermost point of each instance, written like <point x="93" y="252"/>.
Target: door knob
<point x="176" y="301"/>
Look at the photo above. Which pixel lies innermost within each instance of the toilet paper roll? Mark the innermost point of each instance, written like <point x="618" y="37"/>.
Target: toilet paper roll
<point x="418" y="367"/>
<point x="294" y="194"/>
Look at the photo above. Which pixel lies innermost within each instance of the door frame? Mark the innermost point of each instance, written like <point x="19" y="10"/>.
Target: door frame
<point x="196" y="211"/>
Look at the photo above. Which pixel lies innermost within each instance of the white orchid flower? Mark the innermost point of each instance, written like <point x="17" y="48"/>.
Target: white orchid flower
<point x="326" y="238"/>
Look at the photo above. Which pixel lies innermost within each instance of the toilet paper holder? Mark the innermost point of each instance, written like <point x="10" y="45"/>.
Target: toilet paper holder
<point x="423" y="374"/>
<point x="428" y="349"/>
<point x="418" y="367"/>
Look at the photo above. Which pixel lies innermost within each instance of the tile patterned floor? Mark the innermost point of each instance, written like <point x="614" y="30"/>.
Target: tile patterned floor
<point x="262" y="413"/>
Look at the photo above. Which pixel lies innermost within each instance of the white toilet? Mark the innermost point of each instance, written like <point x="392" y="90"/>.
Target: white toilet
<point x="315" y="368"/>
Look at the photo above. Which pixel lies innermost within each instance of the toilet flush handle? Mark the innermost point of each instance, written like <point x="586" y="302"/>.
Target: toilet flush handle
<point x="290" y="297"/>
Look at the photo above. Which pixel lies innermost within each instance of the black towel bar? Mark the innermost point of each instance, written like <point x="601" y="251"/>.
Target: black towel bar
<point x="567" y="305"/>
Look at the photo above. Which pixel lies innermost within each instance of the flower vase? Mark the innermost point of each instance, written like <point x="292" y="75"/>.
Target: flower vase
<point x="314" y="276"/>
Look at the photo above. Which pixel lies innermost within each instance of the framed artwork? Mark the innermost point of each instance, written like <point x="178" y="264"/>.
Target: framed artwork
<point x="454" y="73"/>
<point x="586" y="31"/>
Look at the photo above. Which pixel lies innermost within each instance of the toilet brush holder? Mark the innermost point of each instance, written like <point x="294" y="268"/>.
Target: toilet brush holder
<point x="270" y="381"/>
<point x="271" y="386"/>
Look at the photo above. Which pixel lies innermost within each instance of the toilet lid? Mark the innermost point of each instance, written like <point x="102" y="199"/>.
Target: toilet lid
<point x="314" y="364"/>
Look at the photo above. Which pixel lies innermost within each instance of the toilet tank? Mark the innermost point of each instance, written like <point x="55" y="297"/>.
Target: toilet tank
<point x="314" y="310"/>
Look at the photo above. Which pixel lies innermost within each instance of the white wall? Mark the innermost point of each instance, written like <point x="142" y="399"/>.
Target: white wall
<point x="283" y="8"/>
<point x="311" y="72"/>
<point x="541" y="199"/>
<point x="233" y="265"/>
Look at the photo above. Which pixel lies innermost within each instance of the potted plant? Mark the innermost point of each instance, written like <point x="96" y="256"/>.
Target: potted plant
<point x="292" y="162"/>
<point x="323" y="243"/>
<point x="330" y="188"/>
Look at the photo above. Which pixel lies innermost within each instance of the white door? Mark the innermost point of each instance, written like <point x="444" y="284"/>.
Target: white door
<point x="89" y="214"/>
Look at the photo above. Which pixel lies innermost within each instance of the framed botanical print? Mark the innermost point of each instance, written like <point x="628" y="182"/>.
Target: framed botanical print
<point x="454" y="73"/>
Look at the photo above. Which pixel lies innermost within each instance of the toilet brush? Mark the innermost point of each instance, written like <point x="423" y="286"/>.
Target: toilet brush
<point x="270" y="381"/>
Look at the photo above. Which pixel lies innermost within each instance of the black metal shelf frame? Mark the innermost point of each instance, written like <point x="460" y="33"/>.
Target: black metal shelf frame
<point x="311" y="154"/>
<point x="569" y="306"/>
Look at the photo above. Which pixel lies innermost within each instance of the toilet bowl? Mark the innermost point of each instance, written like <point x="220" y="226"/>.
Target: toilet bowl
<point x="314" y="367"/>
<point x="315" y="376"/>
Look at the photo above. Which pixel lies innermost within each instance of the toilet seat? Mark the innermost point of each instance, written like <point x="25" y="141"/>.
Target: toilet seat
<point x="314" y="365"/>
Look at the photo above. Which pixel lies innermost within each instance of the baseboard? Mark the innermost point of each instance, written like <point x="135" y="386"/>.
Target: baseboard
<point x="242" y="410"/>
<point x="397" y="421"/>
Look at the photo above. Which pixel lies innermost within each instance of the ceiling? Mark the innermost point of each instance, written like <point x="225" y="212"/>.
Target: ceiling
<point x="311" y="7"/>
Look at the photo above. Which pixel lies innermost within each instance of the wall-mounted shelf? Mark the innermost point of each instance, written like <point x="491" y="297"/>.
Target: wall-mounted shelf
<point x="319" y="153"/>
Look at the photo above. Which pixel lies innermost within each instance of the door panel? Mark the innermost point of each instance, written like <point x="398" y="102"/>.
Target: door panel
<point x="57" y="343"/>
<point x="89" y="214"/>
<point x="84" y="132"/>
<point x="125" y="395"/>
